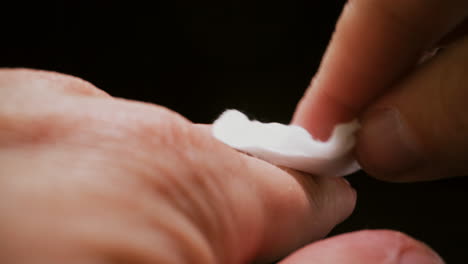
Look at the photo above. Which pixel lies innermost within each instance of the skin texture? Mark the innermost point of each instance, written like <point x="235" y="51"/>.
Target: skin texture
<point x="88" y="178"/>
<point x="413" y="113"/>
<point x="381" y="68"/>
<point x="365" y="247"/>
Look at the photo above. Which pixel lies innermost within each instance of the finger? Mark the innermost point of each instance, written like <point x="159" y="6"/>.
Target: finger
<point x="32" y="102"/>
<point x="458" y="33"/>
<point x="39" y="81"/>
<point x="366" y="247"/>
<point x="276" y="210"/>
<point x="205" y="199"/>
<point x="375" y="43"/>
<point x="239" y="208"/>
<point x="297" y="208"/>
<point x="418" y="130"/>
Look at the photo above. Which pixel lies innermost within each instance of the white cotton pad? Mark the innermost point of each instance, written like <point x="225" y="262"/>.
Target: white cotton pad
<point x="289" y="145"/>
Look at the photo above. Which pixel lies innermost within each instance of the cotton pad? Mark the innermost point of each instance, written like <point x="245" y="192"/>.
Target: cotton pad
<point x="289" y="145"/>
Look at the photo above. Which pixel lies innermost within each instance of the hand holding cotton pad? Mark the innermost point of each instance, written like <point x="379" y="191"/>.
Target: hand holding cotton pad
<point x="289" y="145"/>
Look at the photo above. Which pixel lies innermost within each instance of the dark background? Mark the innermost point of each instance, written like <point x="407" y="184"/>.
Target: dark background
<point x="201" y="57"/>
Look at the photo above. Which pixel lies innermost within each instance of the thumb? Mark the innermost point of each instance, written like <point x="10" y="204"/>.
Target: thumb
<point x="419" y="130"/>
<point x="366" y="247"/>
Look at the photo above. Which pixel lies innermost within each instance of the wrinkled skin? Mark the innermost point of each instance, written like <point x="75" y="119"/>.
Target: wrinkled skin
<point x="88" y="178"/>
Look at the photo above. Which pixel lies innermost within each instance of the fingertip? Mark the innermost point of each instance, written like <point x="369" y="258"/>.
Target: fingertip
<point x="332" y="198"/>
<point x="385" y="145"/>
<point x="318" y="113"/>
<point x="52" y="81"/>
<point x="345" y="196"/>
<point x="297" y="207"/>
<point x="367" y="247"/>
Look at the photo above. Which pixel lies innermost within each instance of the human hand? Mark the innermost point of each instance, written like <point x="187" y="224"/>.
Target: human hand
<point x="87" y="178"/>
<point x="414" y="116"/>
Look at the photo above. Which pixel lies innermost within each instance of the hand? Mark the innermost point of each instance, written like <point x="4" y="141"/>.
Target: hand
<point x="87" y="178"/>
<point x="414" y="116"/>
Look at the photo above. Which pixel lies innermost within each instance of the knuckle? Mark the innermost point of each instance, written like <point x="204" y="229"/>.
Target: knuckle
<point x="51" y="81"/>
<point x="185" y="171"/>
<point x="68" y="84"/>
<point x="156" y="127"/>
<point x="153" y="137"/>
<point x="27" y="127"/>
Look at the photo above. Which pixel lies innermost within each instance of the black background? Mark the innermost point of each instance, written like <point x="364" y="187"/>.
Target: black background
<point x="201" y="57"/>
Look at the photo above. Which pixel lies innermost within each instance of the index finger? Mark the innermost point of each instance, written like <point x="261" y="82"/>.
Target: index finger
<point x="376" y="42"/>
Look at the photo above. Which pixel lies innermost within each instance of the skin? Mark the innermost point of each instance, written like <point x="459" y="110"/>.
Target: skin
<point x="372" y="70"/>
<point x="87" y="178"/>
<point x="412" y="106"/>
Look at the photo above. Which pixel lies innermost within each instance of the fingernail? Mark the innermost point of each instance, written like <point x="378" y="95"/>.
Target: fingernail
<point x="385" y="144"/>
<point x="420" y="257"/>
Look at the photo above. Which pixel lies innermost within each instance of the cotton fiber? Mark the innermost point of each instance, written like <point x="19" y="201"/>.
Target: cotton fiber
<point x="289" y="145"/>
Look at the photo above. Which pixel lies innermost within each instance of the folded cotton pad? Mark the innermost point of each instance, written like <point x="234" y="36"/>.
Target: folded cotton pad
<point x="289" y="145"/>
